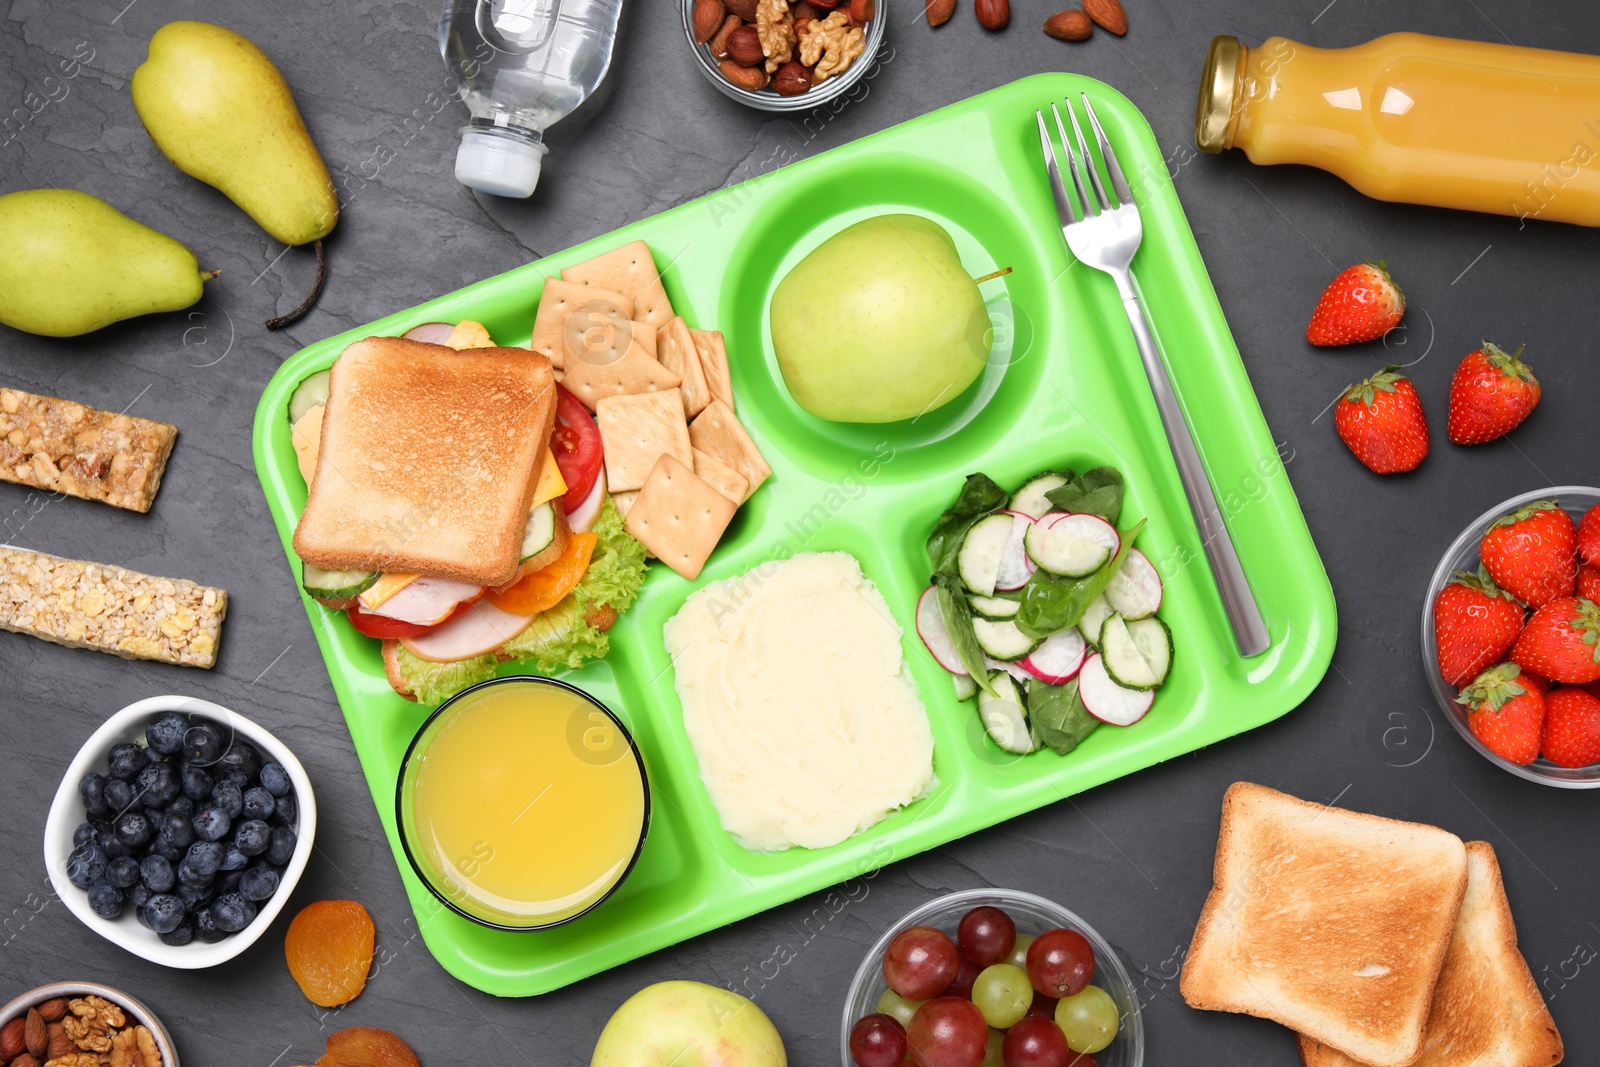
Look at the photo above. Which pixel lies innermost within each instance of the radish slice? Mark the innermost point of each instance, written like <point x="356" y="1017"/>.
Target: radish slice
<point x="433" y="333"/>
<point x="426" y="601"/>
<point x="1057" y="661"/>
<point x="1072" y="545"/>
<point x="1016" y="670"/>
<point x="1135" y="590"/>
<point x="1108" y="701"/>
<point x="481" y="628"/>
<point x="930" y="627"/>
<point x="582" y="519"/>
<point x="1015" y="566"/>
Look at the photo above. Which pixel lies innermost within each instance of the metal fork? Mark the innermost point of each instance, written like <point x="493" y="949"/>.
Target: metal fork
<point x="1106" y="236"/>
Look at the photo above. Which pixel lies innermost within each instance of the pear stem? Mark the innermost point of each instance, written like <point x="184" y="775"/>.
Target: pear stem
<point x="306" y="305"/>
<point x="992" y="275"/>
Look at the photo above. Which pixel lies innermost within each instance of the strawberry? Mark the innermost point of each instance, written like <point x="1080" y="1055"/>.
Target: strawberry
<point x="1490" y="395"/>
<point x="1589" y="535"/>
<point x="1589" y="582"/>
<point x="1560" y="642"/>
<point x="1361" y="304"/>
<point x="1475" y="623"/>
<point x="1506" y="711"/>
<point x="1572" y="728"/>
<point x="1532" y="553"/>
<point x="1381" y="421"/>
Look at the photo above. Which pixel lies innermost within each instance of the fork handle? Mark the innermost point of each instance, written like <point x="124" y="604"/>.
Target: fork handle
<point x="1244" y="615"/>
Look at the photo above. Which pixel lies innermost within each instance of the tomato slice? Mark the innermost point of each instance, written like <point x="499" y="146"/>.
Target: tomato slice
<point x="577" y="448"/>
<point x="544" y="588"/>
<point x="385" y="628"/>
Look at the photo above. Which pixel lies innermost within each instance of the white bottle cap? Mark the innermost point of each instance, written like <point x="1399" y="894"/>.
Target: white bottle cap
<point x="499" y="161"/>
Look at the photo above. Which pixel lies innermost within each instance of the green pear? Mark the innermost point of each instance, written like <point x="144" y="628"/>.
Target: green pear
<point x="71" y="263"/>
<point x="880" y="323"/>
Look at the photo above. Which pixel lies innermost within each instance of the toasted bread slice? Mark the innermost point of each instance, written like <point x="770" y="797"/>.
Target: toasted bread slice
<point x="1487" y="1011"/>
<point x="1332" y="922"/>
<point x="428" y="459"/>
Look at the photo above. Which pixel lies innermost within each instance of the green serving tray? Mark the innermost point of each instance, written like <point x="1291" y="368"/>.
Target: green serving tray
<point x="1064" y="387"/>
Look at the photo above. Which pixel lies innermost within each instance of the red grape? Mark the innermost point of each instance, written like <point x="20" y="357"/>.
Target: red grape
<point x="947" y="1032"/>
<point x="877" y="1041"/>
<point x="986" y="935"/>
<point x="1060" y="962"/>
<point x="920" y="962"/>
<point x="1043" y="1007"/>
<point x="1035" y="1042"/>
<point x="961" y="985"/>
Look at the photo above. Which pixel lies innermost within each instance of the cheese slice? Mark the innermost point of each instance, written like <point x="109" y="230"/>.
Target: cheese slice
<point x="307" y="437"/>
<point x="385" y="587"/>
<point x="469" y="334"/>
<point x="551" y="484"/>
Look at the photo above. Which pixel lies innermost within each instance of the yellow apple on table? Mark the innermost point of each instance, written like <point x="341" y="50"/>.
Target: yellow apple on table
<point x="688" y="1024"/>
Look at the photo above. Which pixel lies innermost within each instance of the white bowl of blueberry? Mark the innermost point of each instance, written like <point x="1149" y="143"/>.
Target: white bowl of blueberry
<point x="179" y="831"/>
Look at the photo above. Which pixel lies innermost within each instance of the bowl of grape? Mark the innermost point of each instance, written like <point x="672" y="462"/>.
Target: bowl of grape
<point x="992" y="978"/>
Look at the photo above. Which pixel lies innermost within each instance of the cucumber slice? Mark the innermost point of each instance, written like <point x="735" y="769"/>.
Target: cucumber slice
<point x="1004" y="718"/>
<point x="335" y="585"/>
<point x="1108" y="701"/>
<point x="1135" y="590"/>
<point x="1002" y="640"/>
<point x="1138" y="655"/>
<point x="1072" y="546"/>
<point x="540" y="531"/>
<point x="994" y="608"/>
<point x="1153" y="639"/>
<point x="966" y="688"/>
<point x="307" y="395"/>
<point x="1094" y="617"/>
<point x="1015" y="566"/>
<point x="1031" y="500"/>
<point x="978" y="562"/>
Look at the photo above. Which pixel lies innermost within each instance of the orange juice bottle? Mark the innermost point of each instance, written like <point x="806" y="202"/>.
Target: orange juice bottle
<point x="1417" y="119"/>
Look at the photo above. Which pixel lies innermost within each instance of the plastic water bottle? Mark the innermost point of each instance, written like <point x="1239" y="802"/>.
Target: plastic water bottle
<point x="522" y="65"/>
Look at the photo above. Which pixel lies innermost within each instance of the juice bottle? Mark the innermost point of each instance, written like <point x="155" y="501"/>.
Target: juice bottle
<point x="1417" y="119"/>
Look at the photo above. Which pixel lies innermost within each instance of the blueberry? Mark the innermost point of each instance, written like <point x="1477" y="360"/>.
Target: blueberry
<point x="134" y="829"/>
<point x="204" y="858"/>
<point x="211" y="823"/>
<point x="127" y="760"/>
<point x="287" y="809"/>
<point x="275" y="780"/>
<point x="234" y="777"/>
<point x="181" y="934"/>
<point x="195" y="897"/>
<point x="259" y="883"/>
<point x="122" y="872"/>
<point x="229" y="797"/>
<point x="165" y="732"/>
<point x="152" y="756"/>
<point x="232" y="912"/>
<point x="182" y="807"/>
<point x="202" y="743"/>
<point x="156" y="873"/>
<point x="280" y="849"/>
<point x="112" y="845"/>
<point x="206" y="928"/>
<point x="195" y="781"/>
<point x="227" y="882"/>
<point x="119" y="795"/>
<point x="177" y="831"/>
<point x="157" y="785"/>
<point x="162" y="913"/>
<point x="241" y="756"/>
<point x="84" y="834"/>
<point x="86" y="866"/>
<point x="252" y="837"/>
<point x="92" y="790"/>
<point x="167" y="851"/>
<point x="137" y="894"/>
<point x="105" y="900"/>
<point x="258" y="803"/>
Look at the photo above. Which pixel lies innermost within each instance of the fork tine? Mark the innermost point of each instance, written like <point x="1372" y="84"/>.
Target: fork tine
<point x="1090" y="208"/>
<point x="1088" y="159"/>
<point x="1052" y="166"/>
<point x="1118" y="182"/>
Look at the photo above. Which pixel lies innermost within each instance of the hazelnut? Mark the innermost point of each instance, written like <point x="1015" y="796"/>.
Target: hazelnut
<point x="804" y="9"/>
<point x="823" y="5"/>
<point x="744" y="47"/>
<point x="861" y="11"/>
<point x="751" y="79"/>
<point x="792" y="79"/>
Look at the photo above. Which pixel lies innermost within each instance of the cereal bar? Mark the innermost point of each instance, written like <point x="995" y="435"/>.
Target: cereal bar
<point x="64" y="447"/>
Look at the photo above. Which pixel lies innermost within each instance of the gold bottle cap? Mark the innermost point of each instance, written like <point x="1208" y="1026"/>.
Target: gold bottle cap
<point x="1218" y="86"/>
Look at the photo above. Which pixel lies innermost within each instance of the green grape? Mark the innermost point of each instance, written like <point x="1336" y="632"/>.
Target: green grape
<point x="991" y="1052"/>
<point x="897" y="1007"/>
<point x="1019" y="954"/>
<point x="1002" y="993"/>
<point x="1089" y="1019"/>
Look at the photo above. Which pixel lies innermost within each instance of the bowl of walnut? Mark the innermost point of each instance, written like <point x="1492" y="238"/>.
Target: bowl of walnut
<point x="82" y="1024"/>
<point x="784" y="55"/>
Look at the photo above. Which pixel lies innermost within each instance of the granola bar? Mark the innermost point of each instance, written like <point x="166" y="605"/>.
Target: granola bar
<point x="88" y="605"/>
<point x="64" y="447"/>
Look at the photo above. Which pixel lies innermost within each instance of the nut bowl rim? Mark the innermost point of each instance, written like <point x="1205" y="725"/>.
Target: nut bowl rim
<point x="1463" y="555"/>
<point x="66" y="812"/>
<point x="767" y="100"/>
<point x="130" y="1005"/>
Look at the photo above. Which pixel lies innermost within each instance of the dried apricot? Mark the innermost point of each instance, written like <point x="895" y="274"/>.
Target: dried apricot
<point x="364" y="1046"/>
<point x="329" y="949"/>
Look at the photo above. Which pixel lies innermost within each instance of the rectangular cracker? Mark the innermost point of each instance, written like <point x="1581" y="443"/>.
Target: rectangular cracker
<point x="629" y="270"/>
<point x="624" y="500"/>
<point x="639" y="429"/>
<point x="635" y="372"/>
<point x="675" y="348"/>
<point x="713" y="352"/>
<point x="88" y="605"/>
<point x="717" y="432"/>
<point x="721" y="477"/>
<point x="61" y="446"/>
<point x="603" y="318"/>
<point x="678" y="517"/>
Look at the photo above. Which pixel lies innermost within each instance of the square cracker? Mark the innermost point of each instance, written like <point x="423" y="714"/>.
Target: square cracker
<point x="678" y="517"/>
<point x="630" y="270"/>
<point x="713" y="352"/>
<point x="721" y="477"/>
<point x="593" y="379"/>
<point x="639" y="429"/>
<point x="624" y="500"/>
<point x="676" y="350"/>
<point x="603" y="323"/>
<point x="717" y="432"/>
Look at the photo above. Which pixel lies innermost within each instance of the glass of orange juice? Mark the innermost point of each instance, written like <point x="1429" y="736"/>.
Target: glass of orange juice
<point x="522" y="803"/>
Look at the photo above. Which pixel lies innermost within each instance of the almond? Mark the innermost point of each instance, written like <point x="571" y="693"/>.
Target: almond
<point x="939" y="11"/>
<point x="28" y="1059"/>
<point x="708" y="16"/>
<point x="60" y="1044"/>
<point x="13" y="1043"/>
<point x="54" y="1010"/>
<point x="752" y="79"/>
<point x="993" y="14"/>
<point x="745" y="9"/>
<point x="719" y="43"/>
<point x="34" y="1034"/>
<point x="1108" y="15"/>
<point x="1072" y="25"/>
<point x="744" y="47"/>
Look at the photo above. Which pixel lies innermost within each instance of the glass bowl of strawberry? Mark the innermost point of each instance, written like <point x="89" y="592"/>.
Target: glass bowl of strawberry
<point x="1511" y="636"/>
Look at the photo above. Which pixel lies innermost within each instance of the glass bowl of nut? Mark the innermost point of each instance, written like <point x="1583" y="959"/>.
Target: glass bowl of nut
<point x="784" y="55"/>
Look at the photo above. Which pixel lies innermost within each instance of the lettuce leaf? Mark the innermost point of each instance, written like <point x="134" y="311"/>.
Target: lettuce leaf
<point x="434" y="683"/>
<point x="616" y="570"/>
<point x="557" y="640"/>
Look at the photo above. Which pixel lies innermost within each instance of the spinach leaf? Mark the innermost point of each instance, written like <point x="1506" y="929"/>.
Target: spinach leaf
<point x="979" y="496"/>
<point x="1058" y="715"/>
<point x="1095" y="492"/>
<point x="1050" y="605"/>
<point x="958" y="621"/>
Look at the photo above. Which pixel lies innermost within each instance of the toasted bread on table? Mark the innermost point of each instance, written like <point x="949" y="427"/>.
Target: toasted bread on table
<point x="1331" y="922"/>
<point x="1487" y="1011"/>
<point x="427" y="460"/>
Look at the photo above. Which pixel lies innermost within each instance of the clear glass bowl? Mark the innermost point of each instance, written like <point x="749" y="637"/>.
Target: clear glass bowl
<point x="1033" y="915"/>
<point x="1462" y="555"/>
<point x="766" y="99"/>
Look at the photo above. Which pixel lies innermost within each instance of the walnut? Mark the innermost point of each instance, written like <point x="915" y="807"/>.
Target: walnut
<point x="92" y="1023"/>
<point x="830" y="45"/>
<point x="149" y="1055"/>
<point x="775" y="27"/>
<point x="75" y="1059"/>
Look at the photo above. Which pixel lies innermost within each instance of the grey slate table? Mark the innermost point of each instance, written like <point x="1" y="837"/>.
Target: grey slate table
<point x="1134" y="857"/>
